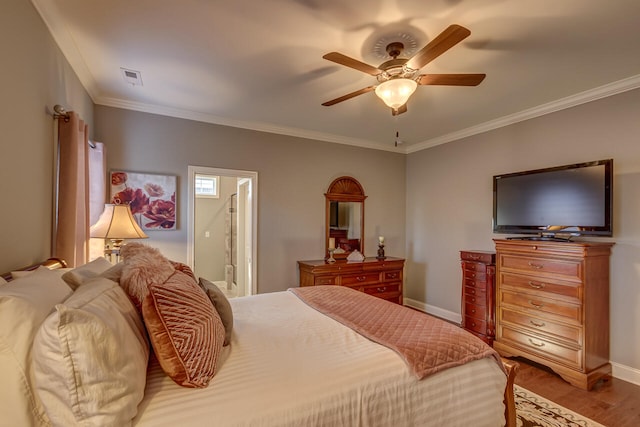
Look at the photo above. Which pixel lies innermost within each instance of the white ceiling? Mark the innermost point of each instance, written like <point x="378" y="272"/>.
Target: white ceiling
<point x="258" y="64"/>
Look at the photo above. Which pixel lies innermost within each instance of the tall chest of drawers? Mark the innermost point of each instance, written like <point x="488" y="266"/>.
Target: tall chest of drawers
<point x="478" y="293"/>
<point x="552" y="306"/>
<point x="380" y="278"/>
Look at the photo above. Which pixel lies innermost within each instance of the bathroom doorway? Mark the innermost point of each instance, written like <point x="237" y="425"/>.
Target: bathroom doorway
<point x="223" y="228"/>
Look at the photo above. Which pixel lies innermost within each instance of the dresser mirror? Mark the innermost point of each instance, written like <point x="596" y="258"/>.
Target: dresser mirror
<point x="344" y="217"/>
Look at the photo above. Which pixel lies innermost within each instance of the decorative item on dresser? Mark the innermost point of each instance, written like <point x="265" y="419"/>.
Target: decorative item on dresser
<point x="553" y="306"/>
<point x="478" y="293"/>
<point x="380" y="278"/>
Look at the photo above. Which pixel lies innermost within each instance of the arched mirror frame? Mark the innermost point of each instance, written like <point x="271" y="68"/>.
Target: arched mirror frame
<point x="344" y="189"/>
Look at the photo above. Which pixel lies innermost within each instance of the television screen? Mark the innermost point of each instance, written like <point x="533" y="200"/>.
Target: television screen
<point x="574" y="199"/>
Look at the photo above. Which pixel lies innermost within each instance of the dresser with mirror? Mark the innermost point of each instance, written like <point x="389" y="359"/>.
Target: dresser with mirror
<point x="344" y="234"/>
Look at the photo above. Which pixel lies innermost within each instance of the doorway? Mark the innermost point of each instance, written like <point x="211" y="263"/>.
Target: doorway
<point x="222" y="228"/>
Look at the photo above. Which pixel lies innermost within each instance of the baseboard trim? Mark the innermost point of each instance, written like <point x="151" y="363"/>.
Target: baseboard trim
<point x="619" y="371"/>
<point x="625" y="373"/>
<point x="451" y="316"/>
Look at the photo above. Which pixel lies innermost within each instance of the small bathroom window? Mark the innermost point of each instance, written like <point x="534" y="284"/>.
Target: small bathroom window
<point x="207" y="186"/>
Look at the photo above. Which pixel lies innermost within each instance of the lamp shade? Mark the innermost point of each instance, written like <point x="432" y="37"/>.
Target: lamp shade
<point x="396" y="92"/>
<point x="116" y="222"/>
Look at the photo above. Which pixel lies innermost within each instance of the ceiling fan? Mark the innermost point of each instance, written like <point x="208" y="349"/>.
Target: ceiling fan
<point x="398" y="77"/>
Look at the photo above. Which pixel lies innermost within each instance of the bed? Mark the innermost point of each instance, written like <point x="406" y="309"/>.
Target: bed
<point x="287" y="364"/>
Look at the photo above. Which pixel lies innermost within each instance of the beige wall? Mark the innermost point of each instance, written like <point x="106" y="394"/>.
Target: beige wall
<point x="449" y="201"/>
<point x="34" y="76"/>
<point x="293" y="175"/>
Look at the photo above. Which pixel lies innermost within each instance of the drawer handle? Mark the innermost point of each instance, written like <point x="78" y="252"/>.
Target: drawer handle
<point x="382" y="289"/>
<point x="392" y="275"/>
<point x="473" y="310"/>
<point x="473" y="300"/>
<point x="536" y="266"/>
<point x="361" y="278"/>
<point x="536" y="305"/>
<point x="474" y="256"/>
<point x="472" y="291"/>
<point x="536" y="285"/>
<point x="536" y="324"/>
<point x="535" y="343"/>
<point x="472" y="275"/>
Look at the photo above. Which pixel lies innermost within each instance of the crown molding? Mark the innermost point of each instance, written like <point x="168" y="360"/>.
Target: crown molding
<point x="256" y="126"/>
<point x="604" y="91"/>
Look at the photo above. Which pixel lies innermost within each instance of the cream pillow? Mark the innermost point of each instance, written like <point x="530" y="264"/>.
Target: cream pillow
<point x="24" y="273"/>
<point x="90" y="358"/>
<point x="24" y="304"/>
<point x="79" y="275"/>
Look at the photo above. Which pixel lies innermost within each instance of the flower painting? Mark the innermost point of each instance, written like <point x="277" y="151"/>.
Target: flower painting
<point x="151" y="197"/>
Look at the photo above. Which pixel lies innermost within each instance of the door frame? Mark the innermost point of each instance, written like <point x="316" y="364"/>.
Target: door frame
<point x="252" y="176"/>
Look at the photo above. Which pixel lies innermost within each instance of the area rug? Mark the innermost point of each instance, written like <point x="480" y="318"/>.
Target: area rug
<point x="536" y="411"/>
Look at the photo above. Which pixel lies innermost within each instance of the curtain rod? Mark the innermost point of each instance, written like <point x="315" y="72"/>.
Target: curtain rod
<point x="59" y="112"/>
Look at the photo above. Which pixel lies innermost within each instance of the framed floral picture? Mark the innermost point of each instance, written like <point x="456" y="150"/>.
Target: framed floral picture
<point x="152" y="198"/>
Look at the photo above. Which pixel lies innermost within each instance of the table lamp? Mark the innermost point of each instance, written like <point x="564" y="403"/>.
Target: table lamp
<point x="116" y="223"/>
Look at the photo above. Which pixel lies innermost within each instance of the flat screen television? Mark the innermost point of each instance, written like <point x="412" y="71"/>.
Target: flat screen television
<point x="555" y="203"/>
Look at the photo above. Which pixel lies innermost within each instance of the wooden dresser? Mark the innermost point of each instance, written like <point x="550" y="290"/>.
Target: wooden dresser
<point x="553" y="306"/>
<point x="478" y="293"/>
<point x="380" y="278"/>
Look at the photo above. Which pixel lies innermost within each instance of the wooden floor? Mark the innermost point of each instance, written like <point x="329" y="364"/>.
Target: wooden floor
<point x="612" y="402"/>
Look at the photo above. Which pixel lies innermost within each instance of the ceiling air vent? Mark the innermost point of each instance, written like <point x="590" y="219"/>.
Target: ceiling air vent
<point x="132" y="77"/>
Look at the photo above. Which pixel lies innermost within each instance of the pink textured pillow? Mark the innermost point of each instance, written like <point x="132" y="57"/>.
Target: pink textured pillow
<point x="185" y="330"/>
<point x="143" y="265"/>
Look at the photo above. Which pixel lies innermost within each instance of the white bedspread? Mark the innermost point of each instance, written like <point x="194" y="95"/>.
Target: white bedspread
<point x="289" y="365"/>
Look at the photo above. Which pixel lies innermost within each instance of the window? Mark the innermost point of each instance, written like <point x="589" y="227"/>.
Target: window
<point x="207" y="186"/>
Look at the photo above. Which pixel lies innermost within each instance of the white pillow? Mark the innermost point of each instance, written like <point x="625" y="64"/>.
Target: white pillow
<point x="24" y="304"/>
<point x="79" y="275"/>
<point x="90" y="358"/>
<point x="24" y="273"/>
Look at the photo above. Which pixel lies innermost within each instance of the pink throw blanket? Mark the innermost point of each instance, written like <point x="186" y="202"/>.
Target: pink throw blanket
<point x="427" y="345"/>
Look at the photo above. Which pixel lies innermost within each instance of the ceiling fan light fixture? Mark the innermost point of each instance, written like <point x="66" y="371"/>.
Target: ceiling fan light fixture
<point x="396" y="92"/>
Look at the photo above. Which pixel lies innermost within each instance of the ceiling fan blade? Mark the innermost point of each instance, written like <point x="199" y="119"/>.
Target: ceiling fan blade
<point x="451" y="79"/>
<point x="349" y="96"/>
<point x="450" y="37"/>
<point x="341" y="59"/>
<point x="400" y="110"/>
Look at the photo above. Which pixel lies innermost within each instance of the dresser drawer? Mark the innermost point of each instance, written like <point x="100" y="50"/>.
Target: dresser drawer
<point x="475" y="266"/>
<point x="475" y="291"/>
<point x="476" y="325"/>
<point x="476" y="311"/>
<point x="325" y="280"/>
<point x="360" y="279"/>
<point x="536" y="285"/>
<point x="568" y="333"/>
<point x="389" y="276"/>
<point x="478" y="257"/>
<point x="476" y="298"/>
<point x="558" y="309"/>
<point x="385" y="288"/>
<point x="545" y="348"/>
<point x="568" y="269"/>
<point x="475" y="275"/>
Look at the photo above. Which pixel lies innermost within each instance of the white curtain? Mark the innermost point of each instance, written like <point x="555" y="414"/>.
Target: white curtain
<point x="97" y="193"/>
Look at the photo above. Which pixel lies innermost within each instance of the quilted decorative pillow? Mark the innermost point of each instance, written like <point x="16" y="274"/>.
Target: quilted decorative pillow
<point x="24" y="304"/>
<point x="90" y="358"/>
<point x="222" y="306"/>
<point x="185" y="330"/>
